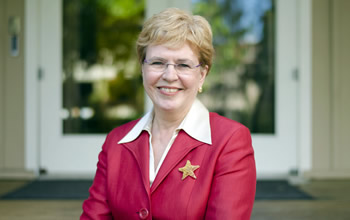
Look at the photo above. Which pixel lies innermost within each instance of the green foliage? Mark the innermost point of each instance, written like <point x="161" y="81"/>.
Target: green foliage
<point x="121" y="9"/>
<point x="228" y="52"/>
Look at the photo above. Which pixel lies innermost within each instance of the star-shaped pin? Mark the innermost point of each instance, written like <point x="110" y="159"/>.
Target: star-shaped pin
<point x="188" y="169"/>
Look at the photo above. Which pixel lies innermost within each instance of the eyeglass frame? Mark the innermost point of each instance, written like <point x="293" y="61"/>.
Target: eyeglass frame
<point x="174" y="64"/>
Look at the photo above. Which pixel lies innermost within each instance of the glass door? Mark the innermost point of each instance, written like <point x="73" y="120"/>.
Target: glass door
<point x="252" y="76"/>
<point x="92" y="82"/>
<point x="91" y="78"/>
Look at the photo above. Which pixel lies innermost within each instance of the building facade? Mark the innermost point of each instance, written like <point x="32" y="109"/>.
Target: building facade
<point x="311" y="135"/>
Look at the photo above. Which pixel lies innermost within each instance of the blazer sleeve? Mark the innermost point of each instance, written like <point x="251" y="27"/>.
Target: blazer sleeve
<point x="234" y="183"/>
<point x="96" y="206"/>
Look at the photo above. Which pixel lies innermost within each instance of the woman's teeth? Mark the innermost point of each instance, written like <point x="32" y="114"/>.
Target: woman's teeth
<point x="168" y="89"/>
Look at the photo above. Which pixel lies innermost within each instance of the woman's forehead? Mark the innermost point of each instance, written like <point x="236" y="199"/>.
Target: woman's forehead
<point x="184" y="51"/>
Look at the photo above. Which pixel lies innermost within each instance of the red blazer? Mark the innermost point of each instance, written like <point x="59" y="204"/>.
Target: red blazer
<point x="224" y="188"/>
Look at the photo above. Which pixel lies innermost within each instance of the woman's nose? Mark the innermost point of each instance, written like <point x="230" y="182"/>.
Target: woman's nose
<point x="170" y="73"/>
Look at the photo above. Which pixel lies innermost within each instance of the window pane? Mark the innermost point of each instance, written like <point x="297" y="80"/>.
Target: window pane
<point x="241" y="83"/>
<point x="102" y="84"/>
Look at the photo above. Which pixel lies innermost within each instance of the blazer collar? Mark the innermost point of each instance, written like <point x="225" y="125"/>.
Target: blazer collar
<point x="140" y="149"/>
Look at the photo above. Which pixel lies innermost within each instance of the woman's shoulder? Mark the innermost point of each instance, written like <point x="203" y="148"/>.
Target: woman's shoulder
<point x="225" y="125"/>
<point x="119" y="132"/>
<point x="224" y="130"/>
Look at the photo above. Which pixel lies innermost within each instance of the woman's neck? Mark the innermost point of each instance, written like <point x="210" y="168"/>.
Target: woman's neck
<point x="168" y="120"/>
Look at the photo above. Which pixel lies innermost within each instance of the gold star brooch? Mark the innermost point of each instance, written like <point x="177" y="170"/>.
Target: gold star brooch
<point x="188" y="169"/>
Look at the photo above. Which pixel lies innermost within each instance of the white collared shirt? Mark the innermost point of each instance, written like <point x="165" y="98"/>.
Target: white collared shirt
<point x="196" y="124"/>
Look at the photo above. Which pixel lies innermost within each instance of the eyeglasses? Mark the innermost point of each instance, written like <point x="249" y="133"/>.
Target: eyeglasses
<point x="160" y="66"/>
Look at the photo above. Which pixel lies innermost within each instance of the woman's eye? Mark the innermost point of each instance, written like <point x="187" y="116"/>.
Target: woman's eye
<point x="184" y="66"/>
<point x="157" y="63"/>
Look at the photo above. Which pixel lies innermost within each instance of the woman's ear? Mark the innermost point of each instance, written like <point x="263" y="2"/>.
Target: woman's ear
<point x="142" y="72"/>
<point x="204" y="73"/>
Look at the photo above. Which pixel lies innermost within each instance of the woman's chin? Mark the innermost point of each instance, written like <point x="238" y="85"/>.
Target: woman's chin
<point x="168" y="106"/>
<point x="174" y="104"/>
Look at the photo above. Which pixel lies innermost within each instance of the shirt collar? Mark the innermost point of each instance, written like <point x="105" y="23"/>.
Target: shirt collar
<point x="196" y="124"/>
<point x="144" y="124"/>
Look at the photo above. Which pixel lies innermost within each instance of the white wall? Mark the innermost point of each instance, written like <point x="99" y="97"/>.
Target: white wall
<point x="305" y="85"/>
<point x="32" y="43"/>
<point x="330" y="89"/>
<point x="12" y="114"/>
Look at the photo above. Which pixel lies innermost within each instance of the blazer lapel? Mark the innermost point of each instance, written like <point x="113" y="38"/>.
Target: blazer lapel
<point x="182" y="145"/>
<point x="140" y="149"/>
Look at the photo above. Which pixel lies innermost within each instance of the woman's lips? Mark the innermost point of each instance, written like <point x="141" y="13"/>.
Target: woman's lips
<point x="168" y="90"/>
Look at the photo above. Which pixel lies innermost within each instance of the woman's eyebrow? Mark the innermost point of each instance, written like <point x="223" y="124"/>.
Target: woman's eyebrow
<point x="180" y="60"/>
<point x="157" y="58"/>
<point x="184" y="60"/>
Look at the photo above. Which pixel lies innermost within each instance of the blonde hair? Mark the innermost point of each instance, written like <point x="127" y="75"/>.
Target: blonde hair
<point x="173" y="28"/>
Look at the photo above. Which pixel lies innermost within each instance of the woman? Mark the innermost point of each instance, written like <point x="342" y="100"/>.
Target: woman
<point x="178" y="161"/>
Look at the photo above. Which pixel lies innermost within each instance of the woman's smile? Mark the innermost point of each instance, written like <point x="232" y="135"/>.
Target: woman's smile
<point x="169" y="90"/>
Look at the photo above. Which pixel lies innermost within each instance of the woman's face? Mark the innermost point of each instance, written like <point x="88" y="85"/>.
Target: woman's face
<point x="172" y="89"/>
